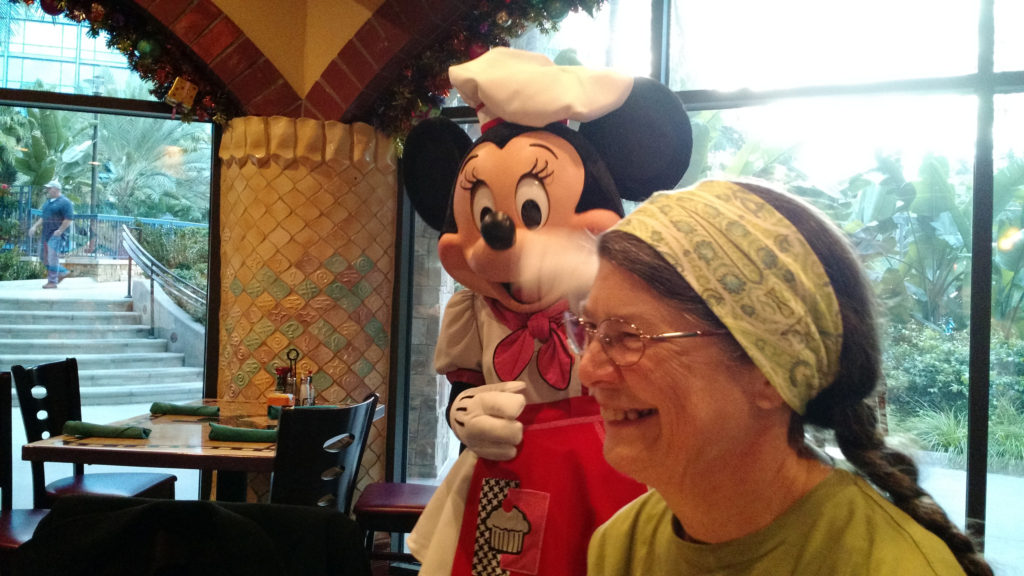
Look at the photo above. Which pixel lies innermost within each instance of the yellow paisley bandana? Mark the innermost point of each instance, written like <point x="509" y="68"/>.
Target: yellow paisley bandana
<point x="756" y="272"/>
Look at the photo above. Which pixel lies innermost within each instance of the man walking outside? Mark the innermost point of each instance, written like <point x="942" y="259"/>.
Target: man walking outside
<point x="57" y="214"/>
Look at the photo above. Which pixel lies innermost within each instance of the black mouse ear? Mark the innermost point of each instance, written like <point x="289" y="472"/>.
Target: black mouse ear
<point x="434" y="150"/>
<point x="646" y="142"/>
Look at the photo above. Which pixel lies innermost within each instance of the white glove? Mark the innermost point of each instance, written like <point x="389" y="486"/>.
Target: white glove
<point x="484" y="419"/>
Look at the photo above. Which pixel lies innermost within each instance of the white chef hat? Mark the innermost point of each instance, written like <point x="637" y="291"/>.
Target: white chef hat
<point x="527" y="88"/>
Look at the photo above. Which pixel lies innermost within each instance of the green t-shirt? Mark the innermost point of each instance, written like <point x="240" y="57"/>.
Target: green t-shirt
<point x="841" y="527"/>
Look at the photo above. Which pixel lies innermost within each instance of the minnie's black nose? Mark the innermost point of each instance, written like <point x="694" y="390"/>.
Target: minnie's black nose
<point x="498" y="230"/>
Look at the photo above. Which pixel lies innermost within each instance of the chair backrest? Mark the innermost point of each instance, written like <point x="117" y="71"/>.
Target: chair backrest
<point x="49" y="396"/>
<point x="6" y="450"/>
<point x="318" y="454"/>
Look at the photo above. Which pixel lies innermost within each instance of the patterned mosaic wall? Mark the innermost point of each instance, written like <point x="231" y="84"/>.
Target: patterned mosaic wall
<point x="307" y="225"/>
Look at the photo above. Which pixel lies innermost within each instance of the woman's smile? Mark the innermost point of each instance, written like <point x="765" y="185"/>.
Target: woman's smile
<point x="613" y="415"/>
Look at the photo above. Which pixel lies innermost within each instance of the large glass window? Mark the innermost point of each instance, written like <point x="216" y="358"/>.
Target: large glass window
<point x="617" y="37"/>
<point x="149" y="174"/>
<point x="871" y="112"/>
<point x="733" y="44"/>
<point x="42" y="52"/>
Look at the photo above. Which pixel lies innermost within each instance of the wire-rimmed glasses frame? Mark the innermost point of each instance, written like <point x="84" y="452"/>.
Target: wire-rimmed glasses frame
<point x="622" y="341"/>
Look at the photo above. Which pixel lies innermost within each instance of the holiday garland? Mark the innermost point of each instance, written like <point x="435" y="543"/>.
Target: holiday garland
<point x="155" y="55"/>
<point x="423" y="84"/>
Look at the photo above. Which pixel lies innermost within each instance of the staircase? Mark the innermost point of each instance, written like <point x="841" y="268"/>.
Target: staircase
<point x="118" y="362"/>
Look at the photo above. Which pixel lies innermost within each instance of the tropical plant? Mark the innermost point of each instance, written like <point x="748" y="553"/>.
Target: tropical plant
<point x="1008" y="260"/>
<point x="12" y="265"/>
<point x="55" y="147"/>
<point x="155" y="168"/>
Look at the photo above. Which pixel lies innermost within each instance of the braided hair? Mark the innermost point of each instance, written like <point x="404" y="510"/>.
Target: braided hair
<point x="847" y="406"/>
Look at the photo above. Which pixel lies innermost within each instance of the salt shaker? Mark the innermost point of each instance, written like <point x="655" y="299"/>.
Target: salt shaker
<point x="308" y="393"/>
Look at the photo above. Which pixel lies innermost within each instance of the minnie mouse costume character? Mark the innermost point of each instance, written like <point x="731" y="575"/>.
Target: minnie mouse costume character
<point x="533" y="485"/>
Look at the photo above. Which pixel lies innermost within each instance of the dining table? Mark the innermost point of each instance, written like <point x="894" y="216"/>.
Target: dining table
<point x="178" y="441"/>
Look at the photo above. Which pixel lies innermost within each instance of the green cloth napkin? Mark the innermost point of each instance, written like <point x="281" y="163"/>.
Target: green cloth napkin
<point x="86" y="429"/>
<point x="233" y="434"/>
<point x="183" y="409"/>
<point x="274" y="412"/>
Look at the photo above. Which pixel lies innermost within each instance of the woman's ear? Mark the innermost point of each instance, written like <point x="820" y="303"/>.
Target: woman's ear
<point x="766" y="396"/>
<point x="646" y="143"/>
<point x="433" y="154"/>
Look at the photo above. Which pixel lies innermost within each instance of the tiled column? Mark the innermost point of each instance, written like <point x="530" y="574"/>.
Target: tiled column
<point x="307" y="251"/>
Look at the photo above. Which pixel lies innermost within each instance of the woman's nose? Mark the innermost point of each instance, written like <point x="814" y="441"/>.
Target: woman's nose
<point x="596" y="369"/>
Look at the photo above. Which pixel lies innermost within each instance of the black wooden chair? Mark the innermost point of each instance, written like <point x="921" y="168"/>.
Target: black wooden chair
<point x="319" y="449"/>
<point x="49" y="396"/>
<point x="16" y="526"/>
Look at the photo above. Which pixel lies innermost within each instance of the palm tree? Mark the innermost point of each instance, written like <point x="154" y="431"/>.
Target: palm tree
<point x="155" y="167"/>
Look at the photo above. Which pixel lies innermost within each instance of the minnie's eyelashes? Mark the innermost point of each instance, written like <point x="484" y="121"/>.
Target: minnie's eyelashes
<point x="540" y="172"/>
<point x="469" y="180"/>
<point x="543" y="172"/>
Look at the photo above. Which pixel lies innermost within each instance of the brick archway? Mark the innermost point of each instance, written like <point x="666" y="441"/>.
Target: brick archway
<point x="347" y="87"/>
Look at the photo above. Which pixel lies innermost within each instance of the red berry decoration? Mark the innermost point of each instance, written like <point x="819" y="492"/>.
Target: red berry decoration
<point x="51" y="7"/>
<point x="96" y="13"/>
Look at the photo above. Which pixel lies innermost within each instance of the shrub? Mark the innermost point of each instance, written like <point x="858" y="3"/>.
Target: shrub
<point x="927" y="394"/>
<point x="945" y="432"/>
<point x="12" y="267"/>
<point x="926" y="367"/>
<point x="178" y="248"/>
<point x="929" y="367"/>
<point x="185" y="252"/>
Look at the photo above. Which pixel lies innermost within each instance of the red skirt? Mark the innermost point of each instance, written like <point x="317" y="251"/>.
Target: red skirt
<point x="535" y="514"/>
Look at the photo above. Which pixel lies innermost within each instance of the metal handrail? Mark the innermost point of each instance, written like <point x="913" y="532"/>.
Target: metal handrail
<point x="188" y="293"/>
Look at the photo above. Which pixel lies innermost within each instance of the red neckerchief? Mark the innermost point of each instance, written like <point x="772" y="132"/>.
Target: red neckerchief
<point x="513" y="353"/>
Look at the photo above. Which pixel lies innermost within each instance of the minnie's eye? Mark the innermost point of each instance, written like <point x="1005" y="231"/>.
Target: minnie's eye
<point x="532" y="202"/>
<point x="483" y="203"/>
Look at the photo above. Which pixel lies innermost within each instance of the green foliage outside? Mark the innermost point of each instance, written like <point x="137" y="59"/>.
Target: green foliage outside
<point x="12" y="264"/>
<point x="185" y="252"/>
<point x="927" y="394"/>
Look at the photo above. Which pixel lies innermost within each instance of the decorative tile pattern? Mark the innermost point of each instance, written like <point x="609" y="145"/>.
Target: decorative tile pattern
<point x="307" y="260"/>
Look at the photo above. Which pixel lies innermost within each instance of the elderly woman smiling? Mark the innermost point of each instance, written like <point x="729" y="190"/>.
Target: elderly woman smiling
<point x="723" y="318"/>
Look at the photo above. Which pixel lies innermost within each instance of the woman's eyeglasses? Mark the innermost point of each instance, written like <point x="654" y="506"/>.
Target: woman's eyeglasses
<point x="621" y="341"/>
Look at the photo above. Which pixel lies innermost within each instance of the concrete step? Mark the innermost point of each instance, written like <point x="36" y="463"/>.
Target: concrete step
<point x="141" y="393"/>
<point x="73" y="332"/>
<point x="66" y="348"/>
<point x="117" y="361"/>
<point x="70" y="305"/>
<point x="137" y="376"/>
<point x="67" y="318"/>
<point x="100" y="361"/>
<point x="165" y="392"/>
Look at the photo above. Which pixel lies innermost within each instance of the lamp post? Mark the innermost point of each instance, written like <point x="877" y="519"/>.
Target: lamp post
<point x="97" y="90"/>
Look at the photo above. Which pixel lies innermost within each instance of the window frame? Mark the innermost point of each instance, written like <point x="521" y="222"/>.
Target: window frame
<point x="158" y="110"/>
